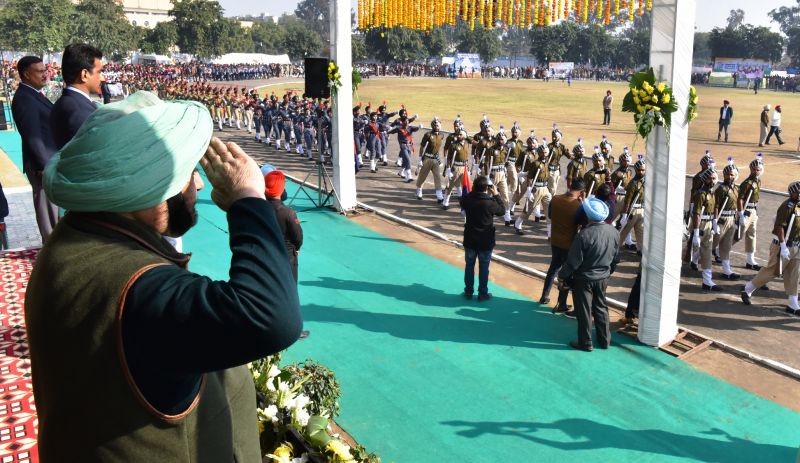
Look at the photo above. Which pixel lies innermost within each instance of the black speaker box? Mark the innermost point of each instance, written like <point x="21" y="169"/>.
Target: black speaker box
<point x="317" y="78"/>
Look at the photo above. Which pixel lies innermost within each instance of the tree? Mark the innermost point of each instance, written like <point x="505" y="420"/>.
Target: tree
<point x="552" y="43"/>
<point x="359" y="48"/>
<point x="316" y="15"/>
<point x="235" y="38"/>
<point x="727" y="43"/>
<point x="435" y="43"/>
<point x="788" y="17"/>
<point x="160" y="39"/>
<point x="299" y="40"/>
<point x="267" y="37"/>
<point x="405" y="45"/>
<point x="762" y="43"/>
<point x="592" y="44"/>
<point x="102" y="24"/>
<point x="485" y="42"/>
<point x="39" y="26"/>
<point x="735" y="19"/>
<point x="793" y="46"/>
<point x="200" y="27"/>
<point x="516" y="41"/>
<point x="701" y="51"/>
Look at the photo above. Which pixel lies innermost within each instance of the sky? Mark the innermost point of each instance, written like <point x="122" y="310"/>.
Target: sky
<point x="714" y="12"/>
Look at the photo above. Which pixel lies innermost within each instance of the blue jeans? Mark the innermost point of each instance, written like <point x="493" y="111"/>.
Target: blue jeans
<point x="484" y="257"/>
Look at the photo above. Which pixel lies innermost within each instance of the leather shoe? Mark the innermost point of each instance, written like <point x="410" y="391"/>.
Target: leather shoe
<point x="571" y="314"/>
<point x="508" y="223"/>
<point x="711" y="288"/>
<point x="605" y="346"/>
<point x="695" y="267"/>
<point x="745" y="297"/>
<point x="575" y="345"/>
<point x="468" y="296"/>
<point x="791" y="311"/>
<point x="484" y="297"/>
<point x="561" y="309"/>
<point x="544" y="300"/>
<point x="731" y="276"/>
<point x="520" y="232"/>
<point x="752" y="266"/>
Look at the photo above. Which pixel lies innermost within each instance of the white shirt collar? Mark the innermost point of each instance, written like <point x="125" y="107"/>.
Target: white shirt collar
<point x="32" y="88"/>
<point x="69" y="87"/>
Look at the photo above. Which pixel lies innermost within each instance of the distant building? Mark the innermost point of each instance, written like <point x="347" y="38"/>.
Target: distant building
<point x="146" y="13"/>
<point x="248" y="20"/>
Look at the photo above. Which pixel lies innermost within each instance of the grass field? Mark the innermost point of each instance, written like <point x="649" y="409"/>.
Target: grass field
<point x="578" y="112"/>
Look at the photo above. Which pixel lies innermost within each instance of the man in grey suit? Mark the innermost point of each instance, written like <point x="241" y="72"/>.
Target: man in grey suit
<point x="81" y="67"/>
<point x="31" y="111"/>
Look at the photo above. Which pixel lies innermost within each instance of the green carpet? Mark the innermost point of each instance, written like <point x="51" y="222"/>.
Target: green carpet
<point x="11" y="143"/>
<point x="430" y="377"/>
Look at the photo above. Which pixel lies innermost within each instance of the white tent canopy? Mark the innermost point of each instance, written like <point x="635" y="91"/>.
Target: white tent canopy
<point x="251" y="58"/>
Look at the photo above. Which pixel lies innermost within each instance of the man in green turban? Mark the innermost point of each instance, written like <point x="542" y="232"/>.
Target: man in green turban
<point x="134" y="357"/>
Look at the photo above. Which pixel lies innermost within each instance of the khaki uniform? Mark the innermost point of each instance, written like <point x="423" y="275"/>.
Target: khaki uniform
<point x="727" y="195"/>
<point x="704" y="203"/>
<point x="594" y="179"/>
<point x="538" y="184"/>
<point x="557" y="151"/>
<point x="575" y="169"/>
<point x="457" y="159"/>
<point x="495" y="169"/>
<point x="431" y="144"/>
<point x="481" y="142"/>
<point x="634" y="199"/>
<point x="620" y="179"/>
<point x="792" y="266"/>
<point x="515" y="150"/>
<point x="752" y="184"/>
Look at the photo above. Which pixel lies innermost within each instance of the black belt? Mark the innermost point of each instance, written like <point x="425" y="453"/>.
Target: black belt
<point x="431" y="156"/>
<point x="554" y="168"/>
<point x="789" y="244"/>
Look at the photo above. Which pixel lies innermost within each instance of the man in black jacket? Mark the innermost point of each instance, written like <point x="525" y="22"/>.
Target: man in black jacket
<point x="31" y="110"/>
<point x="725" y="116"/>
<point x="480" y="207"/>
<point x="82" y="70"/>
<point x="275" y="184"/>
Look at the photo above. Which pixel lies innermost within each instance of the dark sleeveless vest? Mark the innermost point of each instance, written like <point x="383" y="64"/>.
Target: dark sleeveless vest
<point x="88" y="405"/>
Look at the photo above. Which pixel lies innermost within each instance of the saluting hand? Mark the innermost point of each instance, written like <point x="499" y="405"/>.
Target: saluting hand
<point x="232" y="173"/>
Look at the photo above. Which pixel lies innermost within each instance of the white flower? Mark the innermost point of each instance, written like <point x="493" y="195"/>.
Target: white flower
<point x="301" y="417"/>
<point x="271" y="413"/>
<point x="273" y="371"/>
<point x="301" y="401"/>
<point x="303" y="459"/>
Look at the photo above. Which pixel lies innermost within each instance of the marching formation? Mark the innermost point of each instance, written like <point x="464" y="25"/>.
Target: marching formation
<point x="527" y="173"/>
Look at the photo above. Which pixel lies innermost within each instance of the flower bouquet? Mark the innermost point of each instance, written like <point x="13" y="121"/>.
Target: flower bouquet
<point x="651" y="103"/>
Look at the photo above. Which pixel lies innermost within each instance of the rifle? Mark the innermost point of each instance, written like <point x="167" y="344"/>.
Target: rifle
<point x="589" y="193"/>
<point x="480" y="161"/>
<point x="716" y="219"/>
<point x="421" y="158"/>
<point x="741" y="227"/>
<point x="785" y="238"/>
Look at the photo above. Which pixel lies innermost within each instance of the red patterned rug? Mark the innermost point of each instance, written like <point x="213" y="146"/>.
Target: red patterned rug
<point x="17" y="411"/>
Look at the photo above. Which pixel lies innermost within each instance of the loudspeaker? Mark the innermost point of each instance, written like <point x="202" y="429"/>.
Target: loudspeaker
<point x="317" y="78"/>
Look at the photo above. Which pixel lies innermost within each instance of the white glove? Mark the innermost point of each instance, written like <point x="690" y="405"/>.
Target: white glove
<point x="529" y="194"/>
<point x="742" y="218"/>
<point x="548" y="230"/>
<point x="620" y="190"/>
<point x="420" y="162"/>
<point x="784" y="251"/>
<point x="696" y="238"/>
<point x="715" y="227"/>
<point x="623" y="220"/>
<point x="450" y="173"/>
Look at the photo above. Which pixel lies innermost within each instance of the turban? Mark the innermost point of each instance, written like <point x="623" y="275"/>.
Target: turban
<point x="595" y="210"/>
<point x="274" y="183"/>
<point x="130" y="155"/>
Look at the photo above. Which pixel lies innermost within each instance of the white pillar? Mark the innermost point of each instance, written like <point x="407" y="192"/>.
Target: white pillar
<point x="671" y="58"/>
<point x="344" y="177"/>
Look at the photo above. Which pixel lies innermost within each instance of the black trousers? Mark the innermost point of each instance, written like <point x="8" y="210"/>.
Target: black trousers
<point x="590" y="302"/>
<point x="774" y="130"/>
<point x="606" y="116"/>
<point x="559" y="256"/>
<point x="632" y="310"/>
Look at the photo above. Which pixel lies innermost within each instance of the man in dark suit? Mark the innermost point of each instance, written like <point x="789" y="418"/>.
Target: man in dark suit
<point x="31" y="110"/>
<point x="725" y="116"/>
<point x="81" y="67"/>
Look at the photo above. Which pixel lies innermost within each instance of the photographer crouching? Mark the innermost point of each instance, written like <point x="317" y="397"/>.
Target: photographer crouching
<point x="480" y="207"/>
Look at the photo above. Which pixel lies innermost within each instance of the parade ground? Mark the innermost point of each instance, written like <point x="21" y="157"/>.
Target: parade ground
<point x="428" y="376"/>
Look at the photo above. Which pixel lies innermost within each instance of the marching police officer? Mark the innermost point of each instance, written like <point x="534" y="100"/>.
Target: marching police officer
<point x="724" y="222"/>
<point x="632" y="218"/>
<point x="430" y="146"/>
<point x="784" y="253"/>
<point x="747" y="206"/>
<point x="577" y="166"/>
<point x="495" y="169"/>
<point x="701" y="227"/>
<point x="515" y="150"/>
<point x="598" y="176"/>
<point x="456" y="160"/>
<point x="619" y="180"/>
<point x="557" y="151"/>
<point x="605" y="150"/>
<point x="536" y="192"/>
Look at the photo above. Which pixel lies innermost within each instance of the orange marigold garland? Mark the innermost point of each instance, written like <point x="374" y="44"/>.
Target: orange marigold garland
<point x="607" y="20"/>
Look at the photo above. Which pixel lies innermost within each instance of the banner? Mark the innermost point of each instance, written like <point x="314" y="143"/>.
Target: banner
<point x="744" y="68"/>
<point x="468" y="64"/>
<point x="561" y="69"/>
